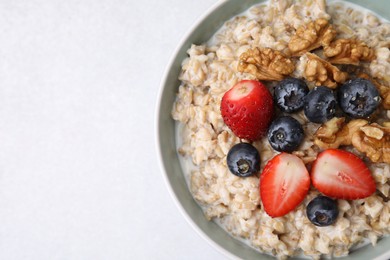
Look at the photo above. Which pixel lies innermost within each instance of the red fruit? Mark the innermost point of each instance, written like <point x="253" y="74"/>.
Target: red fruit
<point x="284" y="184"/>
<point x="247" y="109"/>
<point x="342" y="175"/>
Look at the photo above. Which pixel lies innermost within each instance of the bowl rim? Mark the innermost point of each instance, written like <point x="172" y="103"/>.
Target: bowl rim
<point x="159" y="149"/>
<point x="157" y="129"/>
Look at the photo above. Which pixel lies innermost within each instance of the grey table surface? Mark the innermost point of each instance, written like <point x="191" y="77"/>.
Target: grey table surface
<point x="79" y="177"/>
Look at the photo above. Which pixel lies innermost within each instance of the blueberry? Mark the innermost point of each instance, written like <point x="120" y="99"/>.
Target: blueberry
<point x="243" y="160"/>
<point x="322" y="211"/>
<point x="358" y="98"/>
<point x="285" y="134"/>
<point x="289" y="94"/>
<point x="320" y="105"/>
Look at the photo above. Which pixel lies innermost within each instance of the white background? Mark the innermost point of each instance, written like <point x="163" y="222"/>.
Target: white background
<point x="79" y="177"/>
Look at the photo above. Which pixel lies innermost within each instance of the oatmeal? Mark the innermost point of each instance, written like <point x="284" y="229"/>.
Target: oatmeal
<point x="318" y="43"/>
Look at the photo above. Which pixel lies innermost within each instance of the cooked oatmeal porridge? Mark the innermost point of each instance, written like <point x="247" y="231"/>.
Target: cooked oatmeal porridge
<point x="323" y="44"/>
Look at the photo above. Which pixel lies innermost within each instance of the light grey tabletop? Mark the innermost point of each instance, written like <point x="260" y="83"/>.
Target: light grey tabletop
<point x="79" y="177"/>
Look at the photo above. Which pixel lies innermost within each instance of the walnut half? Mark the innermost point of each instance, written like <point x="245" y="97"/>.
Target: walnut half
<point x="322" y="72"/>
<point x="374" y="141"/>
<point x="348" y="51"/>
<point x="335" y="132"/>
<point x="265" y="64"/>
<point x="371" y="139"/>
<point x="385" y="94"/>
<point x="311" y="36"/>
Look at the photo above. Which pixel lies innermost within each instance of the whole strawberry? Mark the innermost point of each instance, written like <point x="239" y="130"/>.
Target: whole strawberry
<point x="247" y="109"/>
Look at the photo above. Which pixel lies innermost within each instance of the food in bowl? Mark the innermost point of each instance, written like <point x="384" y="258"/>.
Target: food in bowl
<point x="325" y="66"/>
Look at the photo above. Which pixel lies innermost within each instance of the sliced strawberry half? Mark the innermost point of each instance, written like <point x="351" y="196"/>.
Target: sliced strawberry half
<point x="342" y="175"/>
<point x="284" y="184"/>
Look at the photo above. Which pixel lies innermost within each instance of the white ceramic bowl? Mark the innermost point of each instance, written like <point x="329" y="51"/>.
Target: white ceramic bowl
<point x="165" y="136"/>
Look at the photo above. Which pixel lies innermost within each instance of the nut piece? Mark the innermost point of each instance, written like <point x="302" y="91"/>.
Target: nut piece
<point x="311" y="36"/>
<point x="371" y="139"/>
<point x="384" y="91"/>
<point x="348" y="51"/>
<point x="322" y="72"/>
<point x="265" y="64"/>
<point x="335" y="132"/>
<point x="374" y="141"/>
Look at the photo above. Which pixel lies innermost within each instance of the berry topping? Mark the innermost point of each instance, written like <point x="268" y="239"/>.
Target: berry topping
<point x="284" y="184"/>
<point x="358" y="98"/>
<point x="320" y="105"/>
<point x="322" y="211"/>
<point x="243" y="160"/>
<point x="289" y="94"/>
<point x="342" y="175"/>
<point x="285" y="134"/>
<point x="247" y="109"/>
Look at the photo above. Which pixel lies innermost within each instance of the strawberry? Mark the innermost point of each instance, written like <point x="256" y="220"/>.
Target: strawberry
<point x="284" y="184"/>
<point x="342" y="175"/>
<point x="247" y="109"/>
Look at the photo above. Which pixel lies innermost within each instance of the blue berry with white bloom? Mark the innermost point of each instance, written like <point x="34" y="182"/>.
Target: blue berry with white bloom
<point x="359" y="98"/>
<point x="320" y="105"/>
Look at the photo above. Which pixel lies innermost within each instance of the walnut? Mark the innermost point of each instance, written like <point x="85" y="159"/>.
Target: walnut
<point x="385" y="94"/>
<point x="371" y="139"/>
<point x="322" y="72"/>
<point x="307" y="156"/>
<point x="311" y="36"/>
<point x="265" y="64"/>
<point x="374" y="141"/>
<point x="335" y="132"/>
<point x="348" y="51"/>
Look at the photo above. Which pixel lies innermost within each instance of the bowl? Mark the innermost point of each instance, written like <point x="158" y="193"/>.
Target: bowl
<point x="206" y="26"/>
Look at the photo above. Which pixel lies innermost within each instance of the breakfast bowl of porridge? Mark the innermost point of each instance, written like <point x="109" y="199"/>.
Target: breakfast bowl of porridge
<point x="273" y="129"/>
